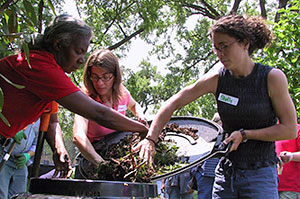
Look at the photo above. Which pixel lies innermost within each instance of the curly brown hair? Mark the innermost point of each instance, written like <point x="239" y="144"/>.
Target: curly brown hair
<point x="254" y="29"/>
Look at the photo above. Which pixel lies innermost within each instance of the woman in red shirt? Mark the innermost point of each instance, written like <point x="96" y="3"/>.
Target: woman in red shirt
<point x="61" y="49"/>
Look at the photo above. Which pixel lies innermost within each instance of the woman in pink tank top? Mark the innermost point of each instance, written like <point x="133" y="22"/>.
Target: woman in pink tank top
<point x="102" y="79"/>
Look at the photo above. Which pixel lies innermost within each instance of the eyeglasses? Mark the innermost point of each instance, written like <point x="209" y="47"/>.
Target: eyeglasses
<point x="223" y="47"/>
<point x="106" y="77"/>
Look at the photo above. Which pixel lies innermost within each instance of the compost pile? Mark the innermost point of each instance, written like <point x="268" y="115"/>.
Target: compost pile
<point x="124" y="165"/>
<point x="174" y="127"/>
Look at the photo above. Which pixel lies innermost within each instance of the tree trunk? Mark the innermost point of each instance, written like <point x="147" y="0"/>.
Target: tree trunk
<point x="40" y="14"/>
<point x="235" y="6"/>
<point x="262" y="4"/>
<point x="282" y="4"/>
<point x="6" y="5"/>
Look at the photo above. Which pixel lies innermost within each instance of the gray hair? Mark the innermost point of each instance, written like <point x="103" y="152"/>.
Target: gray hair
<point x="64" y="28"/>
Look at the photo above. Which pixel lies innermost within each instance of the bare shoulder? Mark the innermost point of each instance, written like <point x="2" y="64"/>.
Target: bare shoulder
<point x="277" y="82"/>
<point x="276" y="75"/>
<point x="208" y="82"/>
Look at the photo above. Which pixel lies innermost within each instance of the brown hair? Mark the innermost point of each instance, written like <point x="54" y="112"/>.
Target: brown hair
<point x="104" y="59"/>
<point x="254" y="29"/>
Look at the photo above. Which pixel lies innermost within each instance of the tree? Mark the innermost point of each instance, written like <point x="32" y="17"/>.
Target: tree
<point x="284" y="53"/>
<point x="166" y="24"/>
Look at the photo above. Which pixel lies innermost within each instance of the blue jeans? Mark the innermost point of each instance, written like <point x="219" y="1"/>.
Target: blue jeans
<point x="177" y="187"/>
<point x="175" y="194"/>
<point x="246" y="184"/>
<point x="12" y="180"/>
<point x="204" y="185"/>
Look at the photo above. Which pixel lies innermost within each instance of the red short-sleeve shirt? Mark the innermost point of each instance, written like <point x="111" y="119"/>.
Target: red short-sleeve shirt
<point x="44" y="82"/>
<point x="289" y="180"/>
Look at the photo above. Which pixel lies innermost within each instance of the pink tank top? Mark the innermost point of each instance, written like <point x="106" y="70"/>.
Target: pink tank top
<point x="97" y="132"/>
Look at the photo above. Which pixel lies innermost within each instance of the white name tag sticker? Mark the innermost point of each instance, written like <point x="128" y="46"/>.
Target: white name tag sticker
<point x="228" y="99"/>
<point x="122" y="108"/>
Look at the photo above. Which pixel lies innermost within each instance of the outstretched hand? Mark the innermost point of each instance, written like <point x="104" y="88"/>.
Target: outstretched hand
<point x="146" y="150"/>
<point x="63" y="165"/>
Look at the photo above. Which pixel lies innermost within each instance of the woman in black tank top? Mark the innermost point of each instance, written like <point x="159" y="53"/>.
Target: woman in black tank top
<point x="251" y="98"/>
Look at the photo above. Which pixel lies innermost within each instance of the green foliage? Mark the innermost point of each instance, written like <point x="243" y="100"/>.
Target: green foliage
<point x="165" y="154"/>
<point x="66" y="121"/>
<point x="120" y="19"/>
<point x="145" y="85"/>
<point x="178" y="32"/>
<point x="21" y="19"/>
<point x="30" y="13"/>
<point x="202" y="107"/>
<point x="284" y="53"/>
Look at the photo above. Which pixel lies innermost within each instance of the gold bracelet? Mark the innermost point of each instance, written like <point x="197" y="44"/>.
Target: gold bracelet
<point x="148" y="138"/>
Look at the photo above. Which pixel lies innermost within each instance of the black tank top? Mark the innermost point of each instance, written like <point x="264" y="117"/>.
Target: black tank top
<point x="245" y="103"/>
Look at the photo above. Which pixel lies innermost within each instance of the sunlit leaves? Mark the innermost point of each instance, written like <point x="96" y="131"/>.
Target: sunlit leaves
<point x="30" y="12"/>
<point x="26" y="50"/>
<point x="284" y="53"/>
<point x="50" y="3"/>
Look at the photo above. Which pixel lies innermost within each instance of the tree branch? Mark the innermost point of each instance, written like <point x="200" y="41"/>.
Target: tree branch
<point x="235" y="6"/>
<point x="262" y="4"/>
<point x="197" y="61"/>
<point x="115" y="19"/>
<point x="202" y="10"/>
<point x="216" y="14"/>
<point x="126" y="39"/>
<point x="40" y="16"/>
<point x="6" y="5"/>
<point x="282" y="4"/>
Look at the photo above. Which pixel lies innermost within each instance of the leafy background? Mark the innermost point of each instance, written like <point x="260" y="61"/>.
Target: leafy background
<point x="166" y="26"/>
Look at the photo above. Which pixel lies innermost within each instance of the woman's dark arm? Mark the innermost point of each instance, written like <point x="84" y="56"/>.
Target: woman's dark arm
<point x="81" y="104"/>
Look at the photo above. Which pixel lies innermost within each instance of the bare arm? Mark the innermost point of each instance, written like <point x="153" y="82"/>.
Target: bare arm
<point x="61" y="157"/>
<point x="286" y="156"/>
<point x="136" y="109"/>
<point x="81" y="140"/>
<point x="82" y="105"/>
<point x="207" y="84"/>
<point x="54" y="134"/>
<point x="296" y="156"/>
<point x="284" y="109"/>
